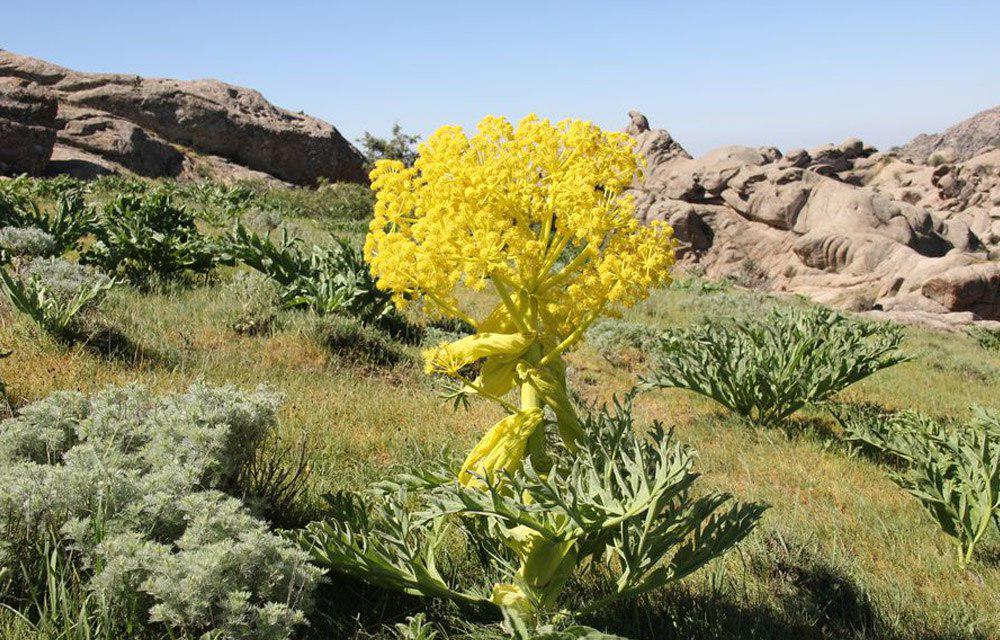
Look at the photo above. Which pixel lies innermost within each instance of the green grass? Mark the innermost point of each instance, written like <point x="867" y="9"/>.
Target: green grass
<point x="843" y="553"/>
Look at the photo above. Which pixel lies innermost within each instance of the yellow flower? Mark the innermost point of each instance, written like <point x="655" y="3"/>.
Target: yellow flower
<point x="537" y="215"/>
<point x="502" y="448"/>
<point x="450" y="357"/>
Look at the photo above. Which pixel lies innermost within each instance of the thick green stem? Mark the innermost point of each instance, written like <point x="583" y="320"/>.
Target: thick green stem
<point x="530" y="399"/>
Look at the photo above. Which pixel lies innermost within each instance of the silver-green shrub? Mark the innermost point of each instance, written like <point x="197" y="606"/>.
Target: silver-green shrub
<point x="141" y="489"/>
<point x="55" y="293"/>
<point x="613" y="336"/>
<point x="26" y="241"/>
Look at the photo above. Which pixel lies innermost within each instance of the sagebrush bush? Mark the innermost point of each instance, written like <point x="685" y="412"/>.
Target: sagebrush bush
<point x="139" y="492"/>
<point x="25" y="241"/>
<point x="767" y="367"/>
<point x="952" y="469"/>
<point x="613" y="337"/>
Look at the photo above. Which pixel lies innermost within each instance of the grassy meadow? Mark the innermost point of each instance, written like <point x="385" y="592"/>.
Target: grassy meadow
<point x="842" y="552"/>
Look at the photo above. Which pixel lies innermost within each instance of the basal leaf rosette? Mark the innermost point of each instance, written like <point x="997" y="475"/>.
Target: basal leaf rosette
<point x="535" y="214"/>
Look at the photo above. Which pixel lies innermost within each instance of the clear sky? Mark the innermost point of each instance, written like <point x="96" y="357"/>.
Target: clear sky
<point x="788" y="74"/>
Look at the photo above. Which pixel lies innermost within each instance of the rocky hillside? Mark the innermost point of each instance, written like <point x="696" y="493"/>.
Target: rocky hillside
<point x="963" y="141"/>
<point x="843" y="224"/>
<point x="54" y="120"/>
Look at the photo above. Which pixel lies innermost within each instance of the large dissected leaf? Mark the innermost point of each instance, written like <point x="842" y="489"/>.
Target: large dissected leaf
<point x="952" y="469"/>
<point x="766" y="368"/>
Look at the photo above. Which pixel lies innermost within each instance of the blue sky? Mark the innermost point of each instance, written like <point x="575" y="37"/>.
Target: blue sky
<point x="712" y="73"/>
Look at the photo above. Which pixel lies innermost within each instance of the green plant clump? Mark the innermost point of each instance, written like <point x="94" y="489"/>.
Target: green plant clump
<point x="767" y="367"/>
<point x="953" y="470"/>
<point x="56" y="294"/>
<point x="148" y="238"/>
<point x="325" y="280"/>
<point x="987" y="338"/>
<point x="67" y="223"/>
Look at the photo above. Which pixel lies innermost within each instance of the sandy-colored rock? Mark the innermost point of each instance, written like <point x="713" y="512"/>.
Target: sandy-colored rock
<point x="152" y="126"/>
<point x="842" y="224"/>
<point x="967" y="139"/>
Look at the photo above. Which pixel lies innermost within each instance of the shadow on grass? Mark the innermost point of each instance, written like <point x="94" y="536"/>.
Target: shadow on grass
<point x="804" y="597"/>
<point x="110" y="343"/>
<point x="348" y="608"/>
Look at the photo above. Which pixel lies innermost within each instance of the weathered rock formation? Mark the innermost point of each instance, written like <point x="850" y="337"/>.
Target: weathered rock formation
<point x="157" y="127"/>
<point x="969" y="138"/>
<point x="27" y="116"/>
<point x="843" y="224"/>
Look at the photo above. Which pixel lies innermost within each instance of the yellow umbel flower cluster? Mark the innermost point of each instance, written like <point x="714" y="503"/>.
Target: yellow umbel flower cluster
<point x="536" y="208"/>
<point x="537" y="214"/>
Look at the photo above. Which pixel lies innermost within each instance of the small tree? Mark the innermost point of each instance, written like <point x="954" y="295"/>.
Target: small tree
<point x="401" y="146"/>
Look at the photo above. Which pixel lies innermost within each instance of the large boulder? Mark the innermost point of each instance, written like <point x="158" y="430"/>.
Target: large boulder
<point x="27" y="117"/>
<point x="156" y="127"/>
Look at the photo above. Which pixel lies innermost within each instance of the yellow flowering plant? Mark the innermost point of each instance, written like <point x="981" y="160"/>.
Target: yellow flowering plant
<point x="536" y="215"/>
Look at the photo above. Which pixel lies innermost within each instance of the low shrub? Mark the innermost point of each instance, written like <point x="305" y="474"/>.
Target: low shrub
<point x="325" y="280"/>
<point x="613" y="338"/>
<point x="359" y="343"/>
<point x="953" y="470"/>
<point x="67" y="223"/>
<point x="24" y="242"/>
<point x="987" y="338"/>
<point x="148" y="238"/>
<point x="56" y="294"/>
<point x="767" y="367"/>
<point x="257" y="302"/>
<point x="137" y="491"/>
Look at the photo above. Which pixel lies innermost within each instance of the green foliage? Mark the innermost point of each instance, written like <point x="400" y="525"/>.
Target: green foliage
<point x="257" y="300"/>
<point x="400" y="146"/>
<point x="145" y="238"/>
<point x="359" y="343"/>
<point x="987" y="338"/>
<point x="767" y="367"/>
<point x="416" y="628"/>
<point x="218" y="202"/>
<point x="67" y="223"/>
<point x="953" y="470"/>
<point x="55" y="294"/>
<point x="130" y="487"/>
<point x="23" y="242"/>
<point x="613" y="337"/>
<point x="325" y="280"/>
<point x="622" y="501"/>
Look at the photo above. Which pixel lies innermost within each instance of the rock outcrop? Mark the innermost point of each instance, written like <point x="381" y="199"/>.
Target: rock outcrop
<point x="160" y="127"/>
<point x="969" y="138"/>
<point x="843" y="224"/>
<point x="27" y="134"/>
